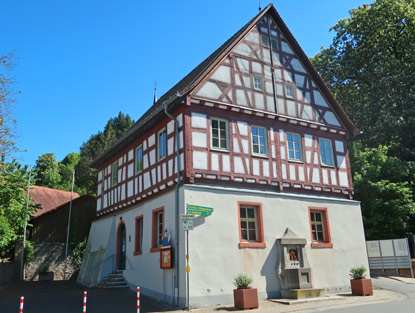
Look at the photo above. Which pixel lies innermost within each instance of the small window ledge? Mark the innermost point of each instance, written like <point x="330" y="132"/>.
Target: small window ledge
<point x="322" y="245"/>
<point x="252" y="245"/>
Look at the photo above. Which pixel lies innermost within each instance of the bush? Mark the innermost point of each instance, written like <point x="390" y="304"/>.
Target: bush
<point x="357" y="272"/>
<point x="78" y="250"/>
<point x="28" y="252"/>
<point x="242" y="281"/>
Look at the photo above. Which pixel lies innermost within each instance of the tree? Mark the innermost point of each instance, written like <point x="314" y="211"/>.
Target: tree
<point x="370" y="68"/>
<point x="13" y="192"/>
<point x="86" y="177"/>
<point x="7" y="93"/>
<point x="47" y="171"/>
<point x="381" y="184"/>
<point x="66" y="168"/>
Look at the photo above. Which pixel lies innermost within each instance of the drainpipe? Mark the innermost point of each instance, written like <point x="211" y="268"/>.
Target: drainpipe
<point x="176" y="254"/>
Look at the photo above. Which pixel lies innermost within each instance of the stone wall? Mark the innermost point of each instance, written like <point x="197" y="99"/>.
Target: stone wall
<point x="9" y="272"/>
<point x="49" y="257"/>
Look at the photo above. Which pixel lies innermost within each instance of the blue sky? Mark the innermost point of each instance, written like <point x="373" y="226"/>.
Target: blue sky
<point x="81" y="62"/>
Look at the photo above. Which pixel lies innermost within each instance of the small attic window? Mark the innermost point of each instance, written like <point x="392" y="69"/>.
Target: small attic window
<point x="274" y="44"/>
<point x="265" y="40"/>
<point x="289" y="91"/>
<point x="257" y="83"/>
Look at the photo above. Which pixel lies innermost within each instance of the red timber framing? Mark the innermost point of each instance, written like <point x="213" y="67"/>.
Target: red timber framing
<point x="156" y="176"/>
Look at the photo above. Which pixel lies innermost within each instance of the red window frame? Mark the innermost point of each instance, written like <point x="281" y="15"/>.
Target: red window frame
<point x="154" y="239"/>
<point x="259" y="243"/>
<point x="137" y="249"/>
<point x="326" y="227"/>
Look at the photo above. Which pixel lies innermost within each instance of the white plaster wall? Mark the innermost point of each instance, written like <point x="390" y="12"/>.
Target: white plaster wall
<point x="215" y="256"/>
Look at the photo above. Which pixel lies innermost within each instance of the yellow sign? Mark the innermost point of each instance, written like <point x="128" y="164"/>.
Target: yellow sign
<point x="187" y="269"/>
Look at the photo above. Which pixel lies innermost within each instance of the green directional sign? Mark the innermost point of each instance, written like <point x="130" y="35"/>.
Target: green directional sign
<point x="199" y="210"/>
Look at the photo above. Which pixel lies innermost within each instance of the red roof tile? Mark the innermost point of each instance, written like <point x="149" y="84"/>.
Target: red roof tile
<point x="49" y="198"/>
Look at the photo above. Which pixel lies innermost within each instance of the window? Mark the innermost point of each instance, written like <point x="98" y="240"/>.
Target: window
<point x="138" y="235"/>
<point x="326" y="152"/>
<point x="114" y="173"/>
<point x="274" y="43"/>
<point x="251" y="232"/>
<point x="219" y="133"/>
<point x="294" y="147"/>
<point x="259" y="140"/>
<point x="139" y="159"/>
<point x="265" y="40"/>
<point x="162" y="144"/>
<point x="289" y="91"/>
<point x="158" y="229"/>
<point x="319" y="228"/>
<point x="257" y="83"/>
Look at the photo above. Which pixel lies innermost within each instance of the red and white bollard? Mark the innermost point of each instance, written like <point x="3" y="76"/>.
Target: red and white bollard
<point x="21" y="304"/>
<point x="138" y="299"/>
<point x="84" y="306"/>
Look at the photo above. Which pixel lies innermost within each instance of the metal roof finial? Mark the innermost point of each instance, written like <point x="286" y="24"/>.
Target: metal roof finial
<point x="155" y="92"/>
<point x="259" y="5"/>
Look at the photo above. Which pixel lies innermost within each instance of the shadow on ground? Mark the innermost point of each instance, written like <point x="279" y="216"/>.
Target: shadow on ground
<point x="67" y="297"/>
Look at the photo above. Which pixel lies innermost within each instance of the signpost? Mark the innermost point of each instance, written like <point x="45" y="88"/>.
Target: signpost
<point x="199" y="210"/>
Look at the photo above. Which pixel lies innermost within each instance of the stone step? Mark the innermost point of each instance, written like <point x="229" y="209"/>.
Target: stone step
<point x="107" y="285"/>
<point x="113" y="279"/>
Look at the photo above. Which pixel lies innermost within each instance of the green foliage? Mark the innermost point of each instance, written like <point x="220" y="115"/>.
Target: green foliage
<point x="7" y="94"/>
<point x="78" y="251"/>
<point x="370" y="68"/>
<point x="96" y="145"/>
<point x="13" y="192"/>
<point x="381" y="184"/>
<point x="357" y="272"/>
<point x="242" y="281"/>
<point x="47" y="171"/>
<point x="28" y="252"/>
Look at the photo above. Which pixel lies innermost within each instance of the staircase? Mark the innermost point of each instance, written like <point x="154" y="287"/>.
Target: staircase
<point x="113" y="280"/>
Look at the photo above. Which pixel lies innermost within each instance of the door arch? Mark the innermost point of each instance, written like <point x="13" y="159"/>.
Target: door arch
<point x="121" y="246"/>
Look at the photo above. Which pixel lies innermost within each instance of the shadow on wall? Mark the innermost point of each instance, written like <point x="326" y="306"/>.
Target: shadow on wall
<point x="272" y="285"/>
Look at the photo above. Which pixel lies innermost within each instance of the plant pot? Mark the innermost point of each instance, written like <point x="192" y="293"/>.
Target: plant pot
<point x="245" y="298"/>
<point x="361" y="287"/>
<point x="48" y="276"/>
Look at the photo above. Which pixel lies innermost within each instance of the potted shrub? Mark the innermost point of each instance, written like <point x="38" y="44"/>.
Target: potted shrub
<point x="244" y="297"/>
<point x="359" y="284"/>
<point x="45" y="275"/>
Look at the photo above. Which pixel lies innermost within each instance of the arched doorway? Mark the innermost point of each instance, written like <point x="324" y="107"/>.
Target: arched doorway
<point x="121" y="246"/>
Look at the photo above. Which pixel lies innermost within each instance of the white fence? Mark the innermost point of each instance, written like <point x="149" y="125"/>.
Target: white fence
<point x="389" y="254"/>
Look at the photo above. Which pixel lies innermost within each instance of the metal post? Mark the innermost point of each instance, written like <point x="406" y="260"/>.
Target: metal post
<point x="84" y="304"/>
<point x="409" y="254"/>
<point x="69" y="226"/>
<point x="381" y="257"/>
<point x="187" y="271"/>
<point x="25" y="226"/>
<point x="21" y="304"/>
<point x="138" y="299"/>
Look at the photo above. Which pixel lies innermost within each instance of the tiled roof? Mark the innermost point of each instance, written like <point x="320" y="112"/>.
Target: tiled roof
<point x="178" y="92"/>
<point x="49" y="198"/>
<point x="74" y="201"/>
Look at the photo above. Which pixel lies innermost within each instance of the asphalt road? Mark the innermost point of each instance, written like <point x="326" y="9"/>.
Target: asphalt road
<point x="67" y="297"/>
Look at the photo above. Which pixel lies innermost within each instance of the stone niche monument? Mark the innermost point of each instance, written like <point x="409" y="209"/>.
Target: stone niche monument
<point x="293" y="269"/>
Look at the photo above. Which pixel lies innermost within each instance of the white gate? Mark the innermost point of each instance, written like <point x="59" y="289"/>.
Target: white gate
<point x="389" y="254"/>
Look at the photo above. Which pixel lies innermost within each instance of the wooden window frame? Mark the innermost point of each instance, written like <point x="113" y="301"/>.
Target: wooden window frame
<point x="327" y="243"/>
<point x="301" y="159"/>
<point x="274" y="44"/>
<point x="258" y="81"/>
<point x="259" y="243"/>
<point x="286" y="91"/>
<point x="259" y="145"/>
<point x="331" y="152"/>
<point x="112" y="173"/>
<point x="265" y="43"/>
<point x="154" y="233"/>
<point x="161" y="157"/>
<point x="137" y="170"/>
<point x="138" y="249"/>
<point x="227" y="134"/>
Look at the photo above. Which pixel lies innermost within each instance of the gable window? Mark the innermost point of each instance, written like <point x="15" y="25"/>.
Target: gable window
<point x="259" y="140"/>
<point x="139" y="159"/>
<point x="162" y="150"/>
<point x="138" y="235"/>
<point x="289" y="91"/>
<point x="158" y="229"/>
<point x="319" y="228"/>
<point x="294" y="147"/>
<point x="265" y="40"/>
<point x="250" y="225"/>
<point x="114" y="173"/>
<point x="274" y="43"/>
<point x="257" y="83"/>
<point x="220" y="136"/>
<point x="326" y="152"/>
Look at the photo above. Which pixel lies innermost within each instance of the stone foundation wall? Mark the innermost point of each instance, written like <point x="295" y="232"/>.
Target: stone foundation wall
<point x="49" y="257"/>
<point x="9" y="272"/>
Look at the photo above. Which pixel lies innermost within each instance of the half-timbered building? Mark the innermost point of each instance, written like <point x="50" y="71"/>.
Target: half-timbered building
<point x="263" y="142"/>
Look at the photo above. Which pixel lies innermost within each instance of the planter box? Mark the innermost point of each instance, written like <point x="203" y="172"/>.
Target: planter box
<point x="361" y="287"/>
<point x="245" y="298"/>
<point x="46" y="277"/>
